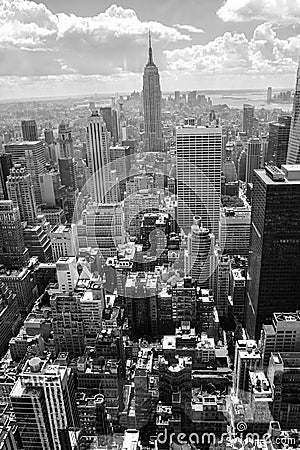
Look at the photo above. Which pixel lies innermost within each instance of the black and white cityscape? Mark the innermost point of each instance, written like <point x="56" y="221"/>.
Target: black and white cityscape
<point x="150" y="225"/>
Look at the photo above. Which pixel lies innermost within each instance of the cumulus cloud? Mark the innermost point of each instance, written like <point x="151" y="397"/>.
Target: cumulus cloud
<point x="234" y="53"/>
<point x="189" y="28"/>
<point x="276" y="11"/>
<point x="113" y="40"/>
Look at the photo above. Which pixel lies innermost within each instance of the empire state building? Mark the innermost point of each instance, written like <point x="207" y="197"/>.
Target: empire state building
<point x="153" y="140"/>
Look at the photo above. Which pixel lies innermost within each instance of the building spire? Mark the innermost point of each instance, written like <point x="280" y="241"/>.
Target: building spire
<point x="150" y="59"/>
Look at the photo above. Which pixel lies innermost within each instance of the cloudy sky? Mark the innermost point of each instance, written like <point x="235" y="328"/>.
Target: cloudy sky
<point x="61" y="47"/>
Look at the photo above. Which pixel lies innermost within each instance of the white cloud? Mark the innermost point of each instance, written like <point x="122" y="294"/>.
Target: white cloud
<point x="189" y="28"/>
<point x="89" y="45"/>
<point x="276" y="11"/>
<point x="233" y="53"/>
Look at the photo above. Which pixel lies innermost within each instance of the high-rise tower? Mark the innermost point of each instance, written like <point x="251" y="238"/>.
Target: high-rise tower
<point x="274" y="262"/>
<point x="13" y="253"/>
<point x="248" y="119"/>
<point x="278" y="140"/>
<point x="21" y="192"/>
<point x="253" y="158"/>
<point x="31" y="155"/>
<point x="29" y="130"/>
<point x="5" y="165"/>
<point x="153" y="139"/>
<point x="293" y="154"/>
<point x="198" y="163"/>
<point x="65" y="141"/>
<point x="199" y="253"/>
<point x="98" y="145"/>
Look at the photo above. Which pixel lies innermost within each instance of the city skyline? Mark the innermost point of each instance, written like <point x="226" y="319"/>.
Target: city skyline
<point x="101" y="48"/>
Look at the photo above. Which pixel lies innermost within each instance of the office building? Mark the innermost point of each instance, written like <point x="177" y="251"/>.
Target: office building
<point x="293" y="154"/>
<point x="153" y="138"/>
<point x="279" y="133"/>
<point x="119" y="161"/>
<point x="5" y="165"/>
<point x="284" y="377"/>
<point x="76" y="306"/>
<point x="9" y="433"/>
<point x="22" y="281"/>
<point x="102" y="226"/>
<point x="177" y="97"/>
<point x="9" y="315"/>
<point x="49" y="136"/>
<point x="248" y="119"/>
<point x="31" y="155"/>
<point x="235" y="224"/>
<point x="247" y="359"/>
<point x="222" y="285"/>
<point x="98" y="158"/>
<point x="13" y="253"/>
<point x="274" y="262"/>
<point x="29" y="130"/>
<point x="65" y="141"/>
<point x="63" y="242"/>
<point x="253" y="158"/>
<point x="269" y="95"/>
<point x="141" y="291"/>
<point x="43" y="401"/>
<point x="241" y="163"/>
<point x="199" y="253"/>
<point x="283" y="335"/>
<point x="111" y="118"/>
<point x="67" y="172"/>
<point x="37" y="242"/>
<point x="238" y="284"/>
<point x="198" y="163"/>
<point x="93" y="417"/>
<point x="51" y="189"/>
<point x="21" y="192"/>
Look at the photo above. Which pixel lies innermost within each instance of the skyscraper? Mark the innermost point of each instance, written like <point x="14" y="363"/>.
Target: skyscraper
<point x="279" y="133"/>
<point x="274" y="263"/>
<point x="253" y="158"/>
<point x="248" y="119"/>
<point x="21" y="192"/>
<point x="5" y="166"/>
<point x="65" y="141"/>
<point x="13" y="253"/>
<point x="49" y="136"/>
<point x="199" y="261"/>
<point x="43" y="401"/>
<point x="97" y="152"/>
<point x="153" y="139"/>
<point x="269" y="95"/>
<point x="29" y="130"/>
<point x="198" y="163"/>
<point x="111" y="118"/>
<point x="293" y="155"/>
<point x="102" y="226"/>
<point x="31" y="155"/>
<point x="67" y="171"/>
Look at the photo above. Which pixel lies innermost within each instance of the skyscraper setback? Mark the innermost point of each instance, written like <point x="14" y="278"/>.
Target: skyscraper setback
<point x="293" y="154"/>
<point x="153" y="140"/>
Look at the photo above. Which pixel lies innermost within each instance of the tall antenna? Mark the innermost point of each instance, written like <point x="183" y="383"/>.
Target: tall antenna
<point x="150" y="60"/>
